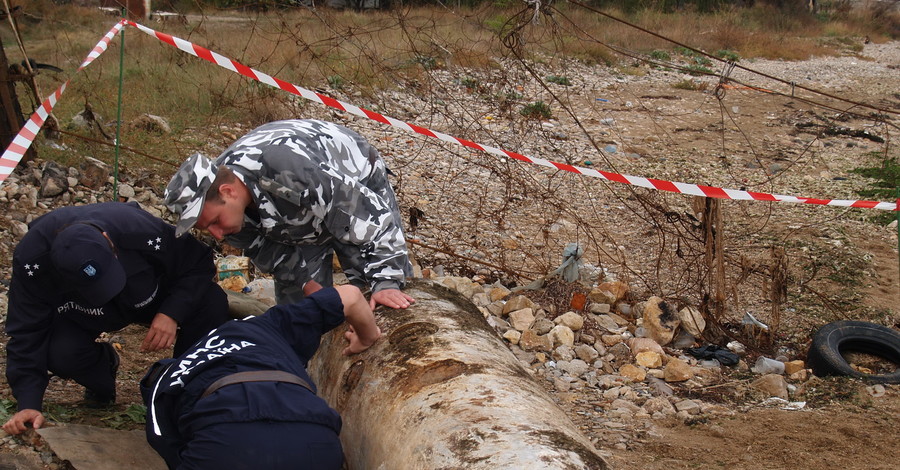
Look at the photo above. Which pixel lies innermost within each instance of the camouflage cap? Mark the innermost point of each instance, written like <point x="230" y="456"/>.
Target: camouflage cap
<point x="186" y="191"/>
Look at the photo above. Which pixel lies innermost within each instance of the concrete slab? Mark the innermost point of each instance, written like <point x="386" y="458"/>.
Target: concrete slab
<point x="92" y="448"/>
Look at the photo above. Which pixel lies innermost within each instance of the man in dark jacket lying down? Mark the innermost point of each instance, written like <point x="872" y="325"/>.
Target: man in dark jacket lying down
<point x="241" y="397"/>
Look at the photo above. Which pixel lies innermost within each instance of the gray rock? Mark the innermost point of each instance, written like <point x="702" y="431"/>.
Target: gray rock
<point x="563" y="353"/>
<point x="542" y="326"/>
<point x="94" y="173"/>
<point x="54" y="180"/>
<point x="126" y="191"/>
<point x="586" y="353"/>
<point x="19" y="229"/>
<point x="575" y="367"/>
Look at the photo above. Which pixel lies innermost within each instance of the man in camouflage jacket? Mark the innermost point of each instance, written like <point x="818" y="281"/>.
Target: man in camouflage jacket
<point x="292" y="194"/>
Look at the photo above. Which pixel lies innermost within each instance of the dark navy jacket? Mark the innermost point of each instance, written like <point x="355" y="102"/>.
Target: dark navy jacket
<point x="284" y="338"/>
<point x="165" y="274"/>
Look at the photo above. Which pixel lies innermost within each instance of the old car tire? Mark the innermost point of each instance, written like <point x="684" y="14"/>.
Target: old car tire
<point x="832" y="340"/>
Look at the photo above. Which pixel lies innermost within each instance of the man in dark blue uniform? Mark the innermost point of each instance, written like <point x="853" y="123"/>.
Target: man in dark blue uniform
<point x="241" y="397"/>
<point x="83" y="270"/>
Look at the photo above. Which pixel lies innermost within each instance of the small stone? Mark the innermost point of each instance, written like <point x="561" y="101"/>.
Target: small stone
<point x="877" y="390"/>
<point x="517" y="303"/>
<point x="692" y="321"/>
<point x="542" y="326"/>
<point x="586" y="353"/>
<point x="800" y="376"/>
<point x="771" y="384"/>
<point x="792" y="367"/>
<point x="94" y="173"/>
<point x="606" y="322"/>
<point x="639" y="345"/>
<point x="625" y="405"/>
<point x="126" y="191"/>
<point x="513" y="336"/>
<point x="618" y="290"/>
<point x="571" y="320"/>
<point x="601" y="296"/>
<point x="649" y="359"/>
<point x="151" y="123"/>
<point x="530" y="340"/>
<point x="19" y="229"/>
<point x="677" y="370"/>
<point x="690" y="407"/>
<point x="521" y="319"/>
<point x="633" y="373"/>
<point x="575" y="367"/>
<point x="498" y="293"/>
<point x="563" y="353"/>
<point x="561" y="334"/>
<point x="660" y="320"/>
<point x="561" y="385"/>
<point x="660" y="405"/>
<point x="612" y="340"/>
<point x="598" y="308"/>
<point x="481" y="300"/>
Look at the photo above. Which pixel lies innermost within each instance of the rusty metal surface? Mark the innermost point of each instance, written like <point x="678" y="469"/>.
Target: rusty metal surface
<point x="442" y="390"/>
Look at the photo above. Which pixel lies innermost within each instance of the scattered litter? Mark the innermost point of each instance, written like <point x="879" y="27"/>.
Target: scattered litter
<point x="711" y="351"/>
<point x="232" y="265"/>
<point x="750" y="320"/>
<point x="736" y="347"/>
<point x="765" y="365"/>
<point x="784" y="404"/>
<point x="261" y="289"/>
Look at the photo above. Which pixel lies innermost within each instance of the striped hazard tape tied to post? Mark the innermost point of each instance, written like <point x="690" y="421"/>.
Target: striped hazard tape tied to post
<point x="23" y="140"/>
<point x="14" y="154"/>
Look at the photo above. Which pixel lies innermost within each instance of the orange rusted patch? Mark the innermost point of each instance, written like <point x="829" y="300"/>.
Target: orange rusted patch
<point x="578" y="301"/>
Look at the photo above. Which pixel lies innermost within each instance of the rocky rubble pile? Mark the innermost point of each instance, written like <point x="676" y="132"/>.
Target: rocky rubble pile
<point x="617" y="365"/>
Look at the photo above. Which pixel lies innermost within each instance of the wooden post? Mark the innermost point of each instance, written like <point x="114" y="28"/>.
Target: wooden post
<point x="713" y="238"/>
<point x="11" y="120"/>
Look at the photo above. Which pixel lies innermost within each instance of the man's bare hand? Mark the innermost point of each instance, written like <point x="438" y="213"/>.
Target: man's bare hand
<point x="17" y="424"/>
<point x="161" y="334"/>
<point x="393" y="298"/>
<point x="357" y="345"/>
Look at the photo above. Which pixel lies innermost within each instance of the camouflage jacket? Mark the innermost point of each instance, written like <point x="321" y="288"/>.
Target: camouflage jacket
<point x="315" y="182"/>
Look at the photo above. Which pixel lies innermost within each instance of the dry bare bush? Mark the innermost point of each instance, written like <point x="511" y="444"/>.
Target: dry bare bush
<point x="470" y="73"/>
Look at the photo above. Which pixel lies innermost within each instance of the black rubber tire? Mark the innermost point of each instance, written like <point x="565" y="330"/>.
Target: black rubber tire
<point x="832" y="340"/>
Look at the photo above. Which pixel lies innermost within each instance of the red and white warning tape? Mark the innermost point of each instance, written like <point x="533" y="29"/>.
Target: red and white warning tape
<point x="676" y="187"/>
<point x="16" y="150"/>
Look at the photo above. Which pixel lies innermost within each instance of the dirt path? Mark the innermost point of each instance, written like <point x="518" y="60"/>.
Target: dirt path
<point x="844" y="435"/>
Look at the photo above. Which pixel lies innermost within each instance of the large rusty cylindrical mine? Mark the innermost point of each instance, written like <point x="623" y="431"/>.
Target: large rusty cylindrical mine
<point x="440" y="390"/>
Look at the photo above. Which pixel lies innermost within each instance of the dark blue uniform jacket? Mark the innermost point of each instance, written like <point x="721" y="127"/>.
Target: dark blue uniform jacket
<point x="165" y="275"/>
<point x="284" y="338"/>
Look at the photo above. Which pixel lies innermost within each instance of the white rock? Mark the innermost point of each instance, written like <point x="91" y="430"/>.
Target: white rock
<point x="561" y="334"/>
